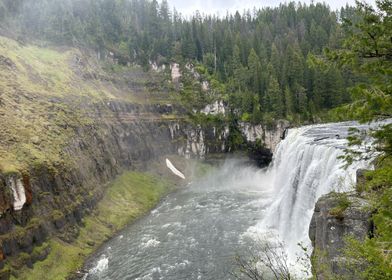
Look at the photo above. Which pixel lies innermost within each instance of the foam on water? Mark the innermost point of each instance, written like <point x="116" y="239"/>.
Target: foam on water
<point x="101" y="266"/>
<point x="151" y="243"/>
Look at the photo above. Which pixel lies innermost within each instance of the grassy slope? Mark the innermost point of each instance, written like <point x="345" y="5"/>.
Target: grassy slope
<point x="43" y="97"/>
<point x="36" y="124"/>
<point x="130" y="196"/>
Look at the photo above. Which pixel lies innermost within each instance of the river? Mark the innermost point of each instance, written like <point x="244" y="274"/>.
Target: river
<point x="196" y="232"/>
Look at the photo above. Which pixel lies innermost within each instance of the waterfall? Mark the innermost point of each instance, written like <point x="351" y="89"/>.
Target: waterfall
<point x="306" y="165"/>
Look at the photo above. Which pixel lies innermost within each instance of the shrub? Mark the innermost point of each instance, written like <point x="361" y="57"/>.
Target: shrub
<point x="342" y="204"/>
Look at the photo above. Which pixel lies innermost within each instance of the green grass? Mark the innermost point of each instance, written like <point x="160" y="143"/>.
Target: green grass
<point x="342" y="204"/>
<point x="34" y="128"/>
<point x="44" y="94"/>
<point x="129" y="197"/>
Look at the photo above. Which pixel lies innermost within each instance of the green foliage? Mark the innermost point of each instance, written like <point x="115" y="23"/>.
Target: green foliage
<point x="384" y="140"/>
<point x="260" y="57"/>
<point x="366" y="260"/>
<point x="236" y="138"/>
<point x="367" y="50"/>
<point x="209" y="62"/>
<point x="379" y="188"/>
<point x="130" y="196"/>
<point x="372" y="259"/>
<point x="342" y="204"/>
<point x="320" y="266"/>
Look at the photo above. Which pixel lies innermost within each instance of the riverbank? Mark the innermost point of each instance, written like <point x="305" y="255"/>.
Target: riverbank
<point x="129" y="197"/>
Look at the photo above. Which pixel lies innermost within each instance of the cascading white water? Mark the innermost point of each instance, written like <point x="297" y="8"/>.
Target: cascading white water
<point x="306" y="165"/>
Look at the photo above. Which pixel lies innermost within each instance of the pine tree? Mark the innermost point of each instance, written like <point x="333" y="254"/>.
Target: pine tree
<point x="274" y="98"/>
<point x="301" y="100"/>
<point x="254" y="71"/>
<point x="294" y="66"/>
<point x="289" y="104"/>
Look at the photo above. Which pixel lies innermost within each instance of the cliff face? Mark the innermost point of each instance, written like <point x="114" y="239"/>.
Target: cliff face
<point x="269" y="137"/>
<point x="41" y="200"/>
<point x="331" y="223"/>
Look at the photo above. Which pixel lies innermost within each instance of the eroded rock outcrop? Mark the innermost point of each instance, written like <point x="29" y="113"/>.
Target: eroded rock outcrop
<point x="195" y="141"/>
<point x="332" y="221"/>
<point x="270" y="136"/>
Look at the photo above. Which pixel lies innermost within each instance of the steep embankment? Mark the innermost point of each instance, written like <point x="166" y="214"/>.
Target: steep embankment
<point x="337" y="217"/>
<point x="351" y="231"/>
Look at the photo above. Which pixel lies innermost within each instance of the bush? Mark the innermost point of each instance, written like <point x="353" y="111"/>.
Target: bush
<point x="366" y="260"/>
<point x="265" y="260"/>
<point x="342" y="204"/>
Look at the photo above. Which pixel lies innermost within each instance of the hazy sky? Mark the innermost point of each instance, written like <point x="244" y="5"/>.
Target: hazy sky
<point x="188" y="7"/>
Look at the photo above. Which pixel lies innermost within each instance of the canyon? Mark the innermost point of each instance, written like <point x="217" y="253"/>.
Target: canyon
<point x="54" y="174"/>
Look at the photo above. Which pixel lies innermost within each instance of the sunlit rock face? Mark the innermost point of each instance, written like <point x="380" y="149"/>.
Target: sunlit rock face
<point x="269" y="136"/>
<point x="216" y="108"/>
<point x="205" y="86"/>
<point x="15" y="193"/>
<point x="175" y="73"/>
<point x="196" y="141"/>
<point x="156" y="67"/>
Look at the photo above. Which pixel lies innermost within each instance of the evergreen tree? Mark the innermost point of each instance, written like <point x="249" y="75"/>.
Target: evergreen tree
<point x="254" y="71"/>
<point x="237" y="49"/>
<point x="274" y="98"/>
<point x="289" y="105"/>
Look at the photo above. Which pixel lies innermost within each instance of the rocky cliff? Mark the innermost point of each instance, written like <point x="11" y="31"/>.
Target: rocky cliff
<point x="269" y="136"/>
<point x="336" y="217"/>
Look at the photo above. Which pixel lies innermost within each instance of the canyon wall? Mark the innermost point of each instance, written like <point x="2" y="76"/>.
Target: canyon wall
<point x="337" y="217"/>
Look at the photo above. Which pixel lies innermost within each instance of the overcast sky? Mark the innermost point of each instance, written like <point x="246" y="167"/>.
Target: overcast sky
<point x="188" y="7"/>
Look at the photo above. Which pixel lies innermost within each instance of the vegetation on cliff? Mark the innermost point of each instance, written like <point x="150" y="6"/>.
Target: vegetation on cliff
<point x="367" y="50"/>
<point x="129" y="197"/>
<point x="46" y="95"/>
<point x="34" y="130"/>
